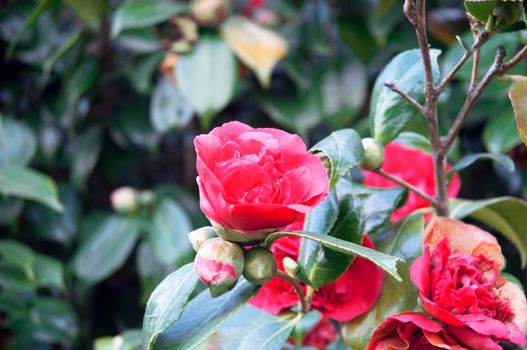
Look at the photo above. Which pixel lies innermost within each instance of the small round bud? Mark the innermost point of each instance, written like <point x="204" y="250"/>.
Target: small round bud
<point x="146" y="198"/>
<point x="260" y="265"/>
<point x="124" y="200"/>
<point x="210" y="13"/>
<point x="373" y="154"/>
<point x="291" y="267"/>
<point x="200" y="236"/>
<point x="219" y="264"/>
<point x="247" y="237"/>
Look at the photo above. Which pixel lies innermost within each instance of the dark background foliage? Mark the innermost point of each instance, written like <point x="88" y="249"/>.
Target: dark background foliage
<point x="90" y="110"/>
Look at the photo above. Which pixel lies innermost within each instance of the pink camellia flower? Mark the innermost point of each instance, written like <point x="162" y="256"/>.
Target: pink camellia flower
<point x="413" y="166"/>
<point x="459" y="283"/>
<point x="219" y="264"/>
<point x="342" y="300"/>
<point x="255" y="181"/>
<point x="416" y="331"/>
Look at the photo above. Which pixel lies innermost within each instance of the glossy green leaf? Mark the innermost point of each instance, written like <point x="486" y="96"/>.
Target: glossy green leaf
<point x="470" y="159"/>
<point x="25" y="183"/>
<point x="203" y="316"/>
<point x="49" y="272"/>
<point x="86" y="151"/>
<point x="504" y="214"/>
<point x="168" y="109"/>
<point x="414" y="140"/>
<point x="17" y="142"/>
<point x="379" y="204"/>
<point x="107" y="244"/>
<point x="207" y="77"/>
<point x="76" y="82"/>
<point x="319" y="265"/>
<point x="404" y="241"/>
<point x="168" y="235"/>
<point x="90" y="11"/>
<point x="518" y="96"/>
<point x="480" y="9"/>
<point x="18" y="255"/>
<point x="386" y="262"/>
<point x="501" y="134"/>
<point x="144" y="13"/>
<point x="167" y="302"/>
<point x="344" y="150"/>
<point x="389" y="112"/>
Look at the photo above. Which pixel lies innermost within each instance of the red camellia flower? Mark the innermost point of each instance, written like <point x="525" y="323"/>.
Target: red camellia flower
<point x="255" y="181"/>
<point x="413" y="166"/>
<point x="459" y="283"/>
<point x="323" y="334"/>
<point x="343" y="300"/>
<point x="416" y="331"/>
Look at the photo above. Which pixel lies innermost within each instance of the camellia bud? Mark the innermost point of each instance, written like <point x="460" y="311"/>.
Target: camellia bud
<point x="373" y="154"/>
<point x="291" y="267"/>
<point x="124" y="200"/>
<point x="219" y="264"/>
<point x="260" y="265"/>
<point x="199" y="236"/>
<point x="210" y="13"/>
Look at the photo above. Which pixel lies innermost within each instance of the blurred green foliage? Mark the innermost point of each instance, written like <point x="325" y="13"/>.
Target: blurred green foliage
<point x="95" y="95"/>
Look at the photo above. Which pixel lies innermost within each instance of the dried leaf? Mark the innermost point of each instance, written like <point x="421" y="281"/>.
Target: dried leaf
<point x="518" y="96"/>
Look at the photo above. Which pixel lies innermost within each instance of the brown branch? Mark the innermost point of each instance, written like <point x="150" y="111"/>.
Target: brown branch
<point x="474" y="94"/>
<point x="474" y="28"/>
<point x="406" y="185"/>
<point x="515" y="60"/>
<point x="304" y="305"/>
<point x="391" y="85"/>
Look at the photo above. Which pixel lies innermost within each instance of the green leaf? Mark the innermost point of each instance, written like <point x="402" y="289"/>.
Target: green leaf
<point x="344" y="150"/>
<point x="518" y="96"/>
<point x="379" y="204"/>
<point x="49" y="272"/>
<point x="262" y="331"/>
<point x="306" y="324"/>
<point x="42" y="6"/>
<point x="256" y="46"/>
<point x="19" y="256"/>
<point x="480" y="9"/>
<point x="207" y="77"/>
<point x="28" y="184"/>
<point x="167" y="302"/>
<point x="79" y="80"/>
<point x="500" y="133"/>
<point x="386" y="262"/>
<point x="389" y="112"/>
<point x="414" y="140"/>
<point x="319" y="265"/>
<point x="168" y="235"/>
<point x="504" y="214"/>
<point x="402" y="240"/>
<point x="203" y="316"/>
<point x="144" y="13"/>
<point x="17" y="142"/>
<point x="168" y="109"/>
<point x="131" y="339"/>
<point x="470" y="159"/>
<point x="85" y="153"/>
<point x="108" y="243"/>
<point x="90" y="11"/>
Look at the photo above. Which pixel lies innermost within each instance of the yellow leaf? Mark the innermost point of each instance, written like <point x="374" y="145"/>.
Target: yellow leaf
<point x="518" y="96"/>
<point x="258" y="47"/>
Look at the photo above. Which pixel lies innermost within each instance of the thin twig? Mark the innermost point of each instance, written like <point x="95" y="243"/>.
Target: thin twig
<point x="495" y="70"/>
<point x="406" y="185"/>
<point x="391" y="85"/>
<point x="474" y="28"/>
<point x="515" y="60"/>
<point x="482" y="38"/>
<point x="304" y="306"/>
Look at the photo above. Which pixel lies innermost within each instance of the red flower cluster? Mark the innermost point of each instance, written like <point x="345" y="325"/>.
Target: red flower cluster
<point x="343" y="300"/>
<point x="467" y="304"/>
<point x="257" y="179"/>
<point x="413" y="166"/>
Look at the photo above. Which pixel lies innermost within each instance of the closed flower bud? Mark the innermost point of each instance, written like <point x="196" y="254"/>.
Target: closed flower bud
<point x="373" y="154"/>
<point x="219" y="264"/>
<point x="210" y="13"/>
<point x="124" y="200"/>
<point x="260" y="265"/>
<point x="200" y="236"/>
<point x="291" y="267"/>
